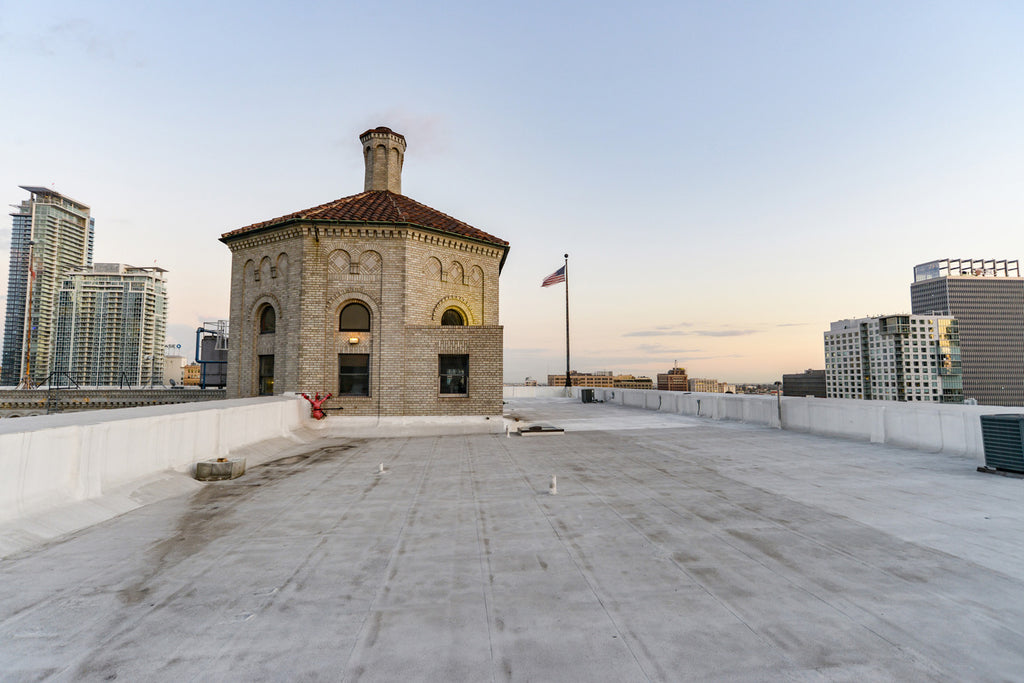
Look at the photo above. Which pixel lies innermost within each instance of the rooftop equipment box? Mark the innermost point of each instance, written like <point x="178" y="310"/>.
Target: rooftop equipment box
<point x="1003" y="436"/>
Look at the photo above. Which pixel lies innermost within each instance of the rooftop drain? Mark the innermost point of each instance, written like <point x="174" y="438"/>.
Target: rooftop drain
<point x="535" y="430"/>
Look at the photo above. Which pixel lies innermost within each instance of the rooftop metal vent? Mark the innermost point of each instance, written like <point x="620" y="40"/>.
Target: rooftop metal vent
<point x="1003" y="436"/>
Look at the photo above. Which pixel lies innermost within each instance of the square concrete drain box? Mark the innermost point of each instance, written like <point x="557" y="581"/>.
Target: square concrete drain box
<point x="220" y="469"/>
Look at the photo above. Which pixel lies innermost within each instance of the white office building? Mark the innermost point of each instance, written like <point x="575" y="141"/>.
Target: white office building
<point x="894" y="358"/>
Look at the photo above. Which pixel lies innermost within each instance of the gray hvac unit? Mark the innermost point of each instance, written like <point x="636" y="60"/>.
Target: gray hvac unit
<point x="587" y="395"/>
<point x="1003" y="436"/>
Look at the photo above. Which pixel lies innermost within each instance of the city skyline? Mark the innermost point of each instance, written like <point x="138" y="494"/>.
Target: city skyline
<point x="726" y="179"/>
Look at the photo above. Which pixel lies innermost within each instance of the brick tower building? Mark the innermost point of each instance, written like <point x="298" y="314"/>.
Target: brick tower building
<point x="388" y="304"/>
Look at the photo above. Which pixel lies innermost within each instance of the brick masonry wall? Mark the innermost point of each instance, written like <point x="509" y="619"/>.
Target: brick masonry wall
<point x="406" y="277"/>
<point x="265" y="270"/>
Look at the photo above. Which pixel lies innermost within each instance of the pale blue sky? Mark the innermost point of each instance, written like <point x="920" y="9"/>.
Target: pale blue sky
<point x="728" y="177"/>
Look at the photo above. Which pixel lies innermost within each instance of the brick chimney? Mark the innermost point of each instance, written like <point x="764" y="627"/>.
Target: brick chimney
<point x="383" y="154"/>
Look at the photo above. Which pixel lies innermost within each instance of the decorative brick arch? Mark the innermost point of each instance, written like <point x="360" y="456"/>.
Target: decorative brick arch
<point x="259" y="344"/>
<point x="370" y="265"/>
<point x="262" y="299"/>
<point x="458" y="303"/>
<point x="456" y="273"/>
<point x="432" y="268"/>
<point x="333" y="309"/>
<point x="265" y="268"/>
<point x="339" y="262"/>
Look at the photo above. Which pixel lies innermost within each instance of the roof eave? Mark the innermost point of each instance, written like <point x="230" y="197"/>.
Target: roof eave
<point x="229" y="237"/>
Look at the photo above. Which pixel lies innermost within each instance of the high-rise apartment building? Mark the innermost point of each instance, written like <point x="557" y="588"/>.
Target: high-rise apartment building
<point x="987" y="298"/>
<point x="51" y="234"/>
<point x="110" y="325"/>
<point x="894" y="358"/>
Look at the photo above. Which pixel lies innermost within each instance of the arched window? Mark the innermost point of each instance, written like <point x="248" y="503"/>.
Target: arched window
<point x="354" y="318"/>
<point x="452" y="317"/>
<point x="268" y="320"/>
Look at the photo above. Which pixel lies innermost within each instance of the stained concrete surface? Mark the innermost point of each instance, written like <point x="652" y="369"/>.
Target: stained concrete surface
<point x="677" y="548"/>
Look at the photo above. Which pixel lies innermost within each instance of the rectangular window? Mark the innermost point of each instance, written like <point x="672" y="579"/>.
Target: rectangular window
<point x="354" y="374"/>
<point x="266" y="375"/>
<point x="454" y="373"/>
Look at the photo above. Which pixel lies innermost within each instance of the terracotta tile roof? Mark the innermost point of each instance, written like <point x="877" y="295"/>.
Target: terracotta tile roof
<point x="378" y="206"/>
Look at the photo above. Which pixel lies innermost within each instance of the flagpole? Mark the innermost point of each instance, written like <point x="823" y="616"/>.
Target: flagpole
<point x="568" y="381"/>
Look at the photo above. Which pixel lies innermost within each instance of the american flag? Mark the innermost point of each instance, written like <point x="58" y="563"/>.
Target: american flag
<point x="554" y="278"/>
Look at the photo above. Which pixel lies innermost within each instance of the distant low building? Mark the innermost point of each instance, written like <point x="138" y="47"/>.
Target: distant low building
<point x="807" y="383"/>
<point x="631" y="382"/>
<point x="582" y="379"/>
<point x="755" y="389"/>
<point x="192" y="374"/>
<point x="673" y="380"/>
<point x="704" y="385"/>
<point x="174" y="369"/>
<point x="601" y="379"/>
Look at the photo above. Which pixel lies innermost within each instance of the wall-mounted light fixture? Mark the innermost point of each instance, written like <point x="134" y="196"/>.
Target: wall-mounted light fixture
<point x="353" y="340"/>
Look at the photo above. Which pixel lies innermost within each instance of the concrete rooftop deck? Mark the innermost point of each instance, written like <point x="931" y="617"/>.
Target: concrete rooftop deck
<point x="677" y="548"/>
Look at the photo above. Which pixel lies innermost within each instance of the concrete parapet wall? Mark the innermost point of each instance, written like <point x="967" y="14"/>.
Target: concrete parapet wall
<point x="535" y="392"/>
<point x="33" y="402"/>
<point x="932" y="427"/>
<point x="48" y="461"/>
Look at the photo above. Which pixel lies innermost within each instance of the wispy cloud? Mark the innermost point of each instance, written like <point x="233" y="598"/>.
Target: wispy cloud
<point x="86" y="36"/>
<point x="430" y="131"/>
<point x="683" y="333"/>
<point x="659" y="349"/>
<point x="724" y="333"/>
<point x="792" y="324"/>
<point x="655" y="333"/>
<point x="628" y="363"/>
